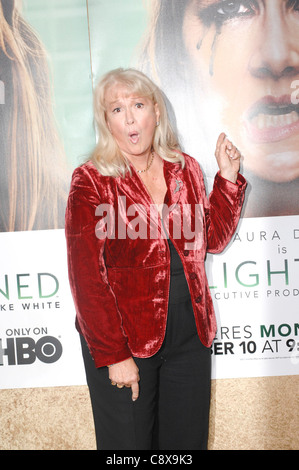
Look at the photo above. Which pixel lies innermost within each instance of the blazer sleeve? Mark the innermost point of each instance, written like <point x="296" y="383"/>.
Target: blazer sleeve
<point x="97" y="314"/>
<point x="222" y="209"/>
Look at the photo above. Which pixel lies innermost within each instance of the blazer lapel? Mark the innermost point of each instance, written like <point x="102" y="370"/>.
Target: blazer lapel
<point x="134" y="188"/>
<point x="173" y="174"/>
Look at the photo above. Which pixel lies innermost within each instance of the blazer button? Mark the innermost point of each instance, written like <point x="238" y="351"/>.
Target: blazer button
<point x="198" y="299"/>
<point x="193" y="276"/>
<point x="186" y="252"/>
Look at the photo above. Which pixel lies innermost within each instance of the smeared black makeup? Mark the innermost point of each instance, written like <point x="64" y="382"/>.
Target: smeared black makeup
<point x="293" y="4"/>
<point x="218" y="13"/>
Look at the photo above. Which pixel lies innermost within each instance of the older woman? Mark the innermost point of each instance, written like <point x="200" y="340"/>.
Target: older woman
<point x="144" y="310"/>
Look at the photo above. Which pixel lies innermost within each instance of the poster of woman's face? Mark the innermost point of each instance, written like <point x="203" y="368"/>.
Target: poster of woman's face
<point x="233" y="66"/>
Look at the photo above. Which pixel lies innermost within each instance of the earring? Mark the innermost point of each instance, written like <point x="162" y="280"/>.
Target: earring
<point x="157" y="123"/>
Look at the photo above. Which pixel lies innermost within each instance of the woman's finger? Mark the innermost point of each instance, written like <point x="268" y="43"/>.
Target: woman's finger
<point x="135" y="391"/>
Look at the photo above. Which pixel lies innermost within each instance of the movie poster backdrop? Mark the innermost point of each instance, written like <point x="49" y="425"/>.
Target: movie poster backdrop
<point x="223" y="66"/>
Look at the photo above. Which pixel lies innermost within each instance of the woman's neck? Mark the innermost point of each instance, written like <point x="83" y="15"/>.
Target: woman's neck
<point x="142" y="162"/>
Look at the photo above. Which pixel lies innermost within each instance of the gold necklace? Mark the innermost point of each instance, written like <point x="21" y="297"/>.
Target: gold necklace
<point x="149" y="165"/>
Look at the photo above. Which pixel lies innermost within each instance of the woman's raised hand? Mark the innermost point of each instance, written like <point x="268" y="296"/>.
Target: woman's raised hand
<point x="228" y="158"/>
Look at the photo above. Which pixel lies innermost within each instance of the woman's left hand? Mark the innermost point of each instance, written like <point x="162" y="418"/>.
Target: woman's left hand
<point x="228" y="158"/>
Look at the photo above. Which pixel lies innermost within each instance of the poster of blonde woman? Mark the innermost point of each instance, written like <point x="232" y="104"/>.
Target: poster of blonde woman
<point x="38" y="146"/>
<point x="34" y="175"/>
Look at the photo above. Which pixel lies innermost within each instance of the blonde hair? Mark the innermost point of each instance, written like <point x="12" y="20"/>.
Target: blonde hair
<point x="107" y="156"/>
<point x="34" y="178"/>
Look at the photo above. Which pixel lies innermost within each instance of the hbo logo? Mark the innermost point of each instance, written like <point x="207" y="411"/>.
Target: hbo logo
<point x="21" y="351"/>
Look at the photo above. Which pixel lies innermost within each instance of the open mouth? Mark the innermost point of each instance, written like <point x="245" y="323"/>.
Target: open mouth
<point x="134" y="137"/>
<point x="272" y="119"/>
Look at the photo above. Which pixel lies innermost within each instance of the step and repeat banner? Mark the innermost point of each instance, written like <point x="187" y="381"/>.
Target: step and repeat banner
<point x="223" y="66"/>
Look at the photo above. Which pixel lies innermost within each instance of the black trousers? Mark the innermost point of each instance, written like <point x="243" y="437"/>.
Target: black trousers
<point x="172" y="411"/>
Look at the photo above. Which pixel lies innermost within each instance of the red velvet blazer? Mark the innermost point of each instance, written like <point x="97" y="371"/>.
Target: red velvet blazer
<point x="119" y="266"/>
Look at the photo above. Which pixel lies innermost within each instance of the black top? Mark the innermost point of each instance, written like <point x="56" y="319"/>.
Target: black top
<point x="179" y="290"/>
